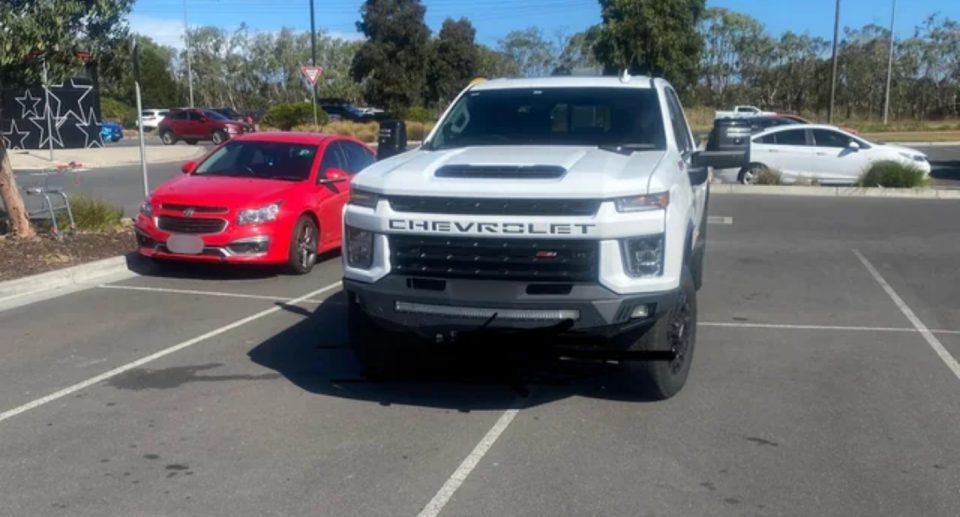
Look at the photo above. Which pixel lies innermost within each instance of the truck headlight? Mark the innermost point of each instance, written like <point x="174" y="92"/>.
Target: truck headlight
<point x="259" y="215"/>
<point x="643" y="256"/>
<point x="643" y="203"/>
<point x="363" y="198"/>
<point x="359" y="248"/>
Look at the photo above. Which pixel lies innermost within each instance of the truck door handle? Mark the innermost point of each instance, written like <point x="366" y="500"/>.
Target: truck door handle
<point x="821" y="154"/>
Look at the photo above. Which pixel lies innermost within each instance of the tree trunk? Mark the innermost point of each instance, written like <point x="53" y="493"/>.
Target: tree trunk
<point x="16" y="212"/>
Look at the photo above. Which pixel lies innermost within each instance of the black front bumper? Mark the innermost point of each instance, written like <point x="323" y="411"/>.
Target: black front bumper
<point x="602" y="313"/>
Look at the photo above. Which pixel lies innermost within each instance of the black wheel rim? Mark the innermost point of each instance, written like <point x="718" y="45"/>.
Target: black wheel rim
<point x="679" y="332"/>
<point x="306" y="246"/>
<point x="217" y="138"/>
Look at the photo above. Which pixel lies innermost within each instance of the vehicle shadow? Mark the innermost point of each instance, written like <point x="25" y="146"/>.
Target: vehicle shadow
<point x="211" y="271"/>
<point x="313" y="354"/>
<point x="945" y="170"/>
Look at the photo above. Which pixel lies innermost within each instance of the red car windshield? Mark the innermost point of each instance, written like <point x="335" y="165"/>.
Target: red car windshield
<point x="262" y="160"/>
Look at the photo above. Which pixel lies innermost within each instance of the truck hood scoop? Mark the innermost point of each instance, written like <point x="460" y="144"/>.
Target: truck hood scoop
<point x="501" y="171"/>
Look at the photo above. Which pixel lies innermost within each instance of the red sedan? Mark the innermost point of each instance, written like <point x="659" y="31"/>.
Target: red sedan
<point x="266" y="198"/>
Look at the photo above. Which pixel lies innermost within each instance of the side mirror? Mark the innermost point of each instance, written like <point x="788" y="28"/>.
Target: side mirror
<point x="853" y="145"/>
<point x="333" y="175"/>
<point x="188" y="167"/>
<point x="392" y="139"/>
<point x="719" y="159"/>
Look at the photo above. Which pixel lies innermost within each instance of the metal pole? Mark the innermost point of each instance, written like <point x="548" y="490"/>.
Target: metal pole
<point x="313" y="59"/>
<point x="143" y="151"/>
<point x="186" y="41"/>
<point x="46" y="94"/>
<point x="833" y="77"/>
<point x="886" y="101"/>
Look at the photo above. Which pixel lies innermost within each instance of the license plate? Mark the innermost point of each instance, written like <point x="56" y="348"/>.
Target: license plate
<point x="185" y="244"/>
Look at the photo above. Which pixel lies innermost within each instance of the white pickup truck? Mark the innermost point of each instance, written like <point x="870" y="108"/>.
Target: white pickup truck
<point x="742" y="111"/>
<point x="567" y="210"/>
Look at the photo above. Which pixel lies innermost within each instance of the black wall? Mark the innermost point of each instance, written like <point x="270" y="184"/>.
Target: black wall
<point x="74" y="116"/>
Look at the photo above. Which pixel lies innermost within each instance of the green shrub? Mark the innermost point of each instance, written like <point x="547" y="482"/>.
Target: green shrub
<point x="114" y="109"/>
<point x="892" y="174"/>
<point x="288" y="115"/>
<point x="91" y="215"/>
<point x="418" y="114"/>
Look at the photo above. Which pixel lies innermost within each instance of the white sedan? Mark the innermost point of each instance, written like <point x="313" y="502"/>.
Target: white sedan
<point x="821" y="152"/>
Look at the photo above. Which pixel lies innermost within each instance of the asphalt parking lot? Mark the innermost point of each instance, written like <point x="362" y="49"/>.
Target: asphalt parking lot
<point x="823" y="384"/>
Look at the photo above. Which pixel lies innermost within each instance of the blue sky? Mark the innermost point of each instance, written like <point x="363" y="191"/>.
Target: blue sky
<point x="163" y="19"/>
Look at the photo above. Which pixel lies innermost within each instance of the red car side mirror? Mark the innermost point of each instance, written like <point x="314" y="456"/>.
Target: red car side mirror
<point x="333" y="175"/>
<point x="188" y="167"/>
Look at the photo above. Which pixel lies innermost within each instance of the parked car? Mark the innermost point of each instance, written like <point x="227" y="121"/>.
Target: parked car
<point x="230" y="113"/>
<point x="742" y="111"/>
<point x="110" y="131"/>
<point x="758" y="124"/>
<point x="264" y="198"/>
<point x="802" y="120"/>
<point x="151" y="118"/>
<point x="192" y="125"/>
<point x="825" y="153"/>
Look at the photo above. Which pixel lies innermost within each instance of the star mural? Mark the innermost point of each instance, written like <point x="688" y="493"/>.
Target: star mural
<point x="28" y="98"/>
<point x="57" y="115"/>
<point x="15" y="133"/>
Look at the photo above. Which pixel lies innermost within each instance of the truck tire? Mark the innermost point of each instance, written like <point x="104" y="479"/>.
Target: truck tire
<point x="378" y="354"/>
<point x="676" y="330"/>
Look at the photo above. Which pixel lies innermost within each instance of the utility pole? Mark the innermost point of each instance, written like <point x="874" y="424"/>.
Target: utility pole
<point x="833" y="76"/>
<point x="186" y="41"/>
<point x="136" y="83"/>
<point x="886" y="101"/>
<point x="313" y="59"/>
<point x="49" y="111"/>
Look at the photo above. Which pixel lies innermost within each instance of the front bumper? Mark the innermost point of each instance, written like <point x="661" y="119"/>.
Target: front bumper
<point x="261" y="244"/>
<point x="600" y="313"/>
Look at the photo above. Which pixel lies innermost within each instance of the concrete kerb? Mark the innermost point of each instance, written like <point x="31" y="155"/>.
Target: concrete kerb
<point x="778" y="190"/>
<point x="65" y="277"/>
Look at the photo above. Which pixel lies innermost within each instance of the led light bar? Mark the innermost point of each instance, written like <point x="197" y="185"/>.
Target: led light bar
<point x="486" y="313"/>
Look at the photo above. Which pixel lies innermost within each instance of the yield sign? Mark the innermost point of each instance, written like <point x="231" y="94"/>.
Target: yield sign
<point x="311" y="73"/>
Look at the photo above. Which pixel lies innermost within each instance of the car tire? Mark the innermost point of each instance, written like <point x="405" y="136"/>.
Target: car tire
<point x="676" y="330"/>
<point x="749" y="172"/>
<point x="115" y="139"/>
<point x="378" y="353"/>
<point x="191" y="141"/>
<point x="304" y="242"/>
<point x="218" y="136"/>
<point x="167" y="137"/>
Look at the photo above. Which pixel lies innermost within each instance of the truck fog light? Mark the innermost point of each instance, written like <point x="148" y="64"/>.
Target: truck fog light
<point x="643" y="256"/>
<point x="359" y="248"/>
<point x="640" y="311"/>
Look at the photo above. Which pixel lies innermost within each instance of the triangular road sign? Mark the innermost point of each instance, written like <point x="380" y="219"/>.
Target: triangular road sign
<point x="311" y="73"/>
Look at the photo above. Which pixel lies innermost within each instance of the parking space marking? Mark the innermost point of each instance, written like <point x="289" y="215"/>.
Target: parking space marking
<point x="204" y="293"/>
<point x="449" y="488"/>
<point x="716" y="219"/>
<point x="775" y="326"/>
<point x="152" y="357"/>
<point x="921" y="328"/>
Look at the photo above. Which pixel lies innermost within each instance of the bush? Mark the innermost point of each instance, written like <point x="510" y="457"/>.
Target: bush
<point x="418" y="114"/>
<point x="892" y="174"/>
<point x="286" y="116"/>
<point x="114" y="109"/>
<point x="764" y="176"/>
<point x="367" y="135"/>
<point x="91" y="215"/>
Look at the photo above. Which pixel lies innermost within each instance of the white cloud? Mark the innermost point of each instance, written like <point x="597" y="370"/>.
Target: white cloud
<point x="169" y="31"/>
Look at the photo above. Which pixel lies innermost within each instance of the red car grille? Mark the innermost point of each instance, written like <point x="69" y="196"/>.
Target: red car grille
<point x="174" y="224"/>
<point x="196" y="209"/>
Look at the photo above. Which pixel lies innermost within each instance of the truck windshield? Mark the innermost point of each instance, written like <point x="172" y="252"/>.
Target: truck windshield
<point x="554" y="116"/>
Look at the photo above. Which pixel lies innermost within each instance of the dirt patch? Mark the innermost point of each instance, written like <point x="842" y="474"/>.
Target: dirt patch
<point x="25" y="257"/>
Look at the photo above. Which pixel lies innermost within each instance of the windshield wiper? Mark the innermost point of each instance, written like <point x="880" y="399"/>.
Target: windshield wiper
<point x="288" y="178"/>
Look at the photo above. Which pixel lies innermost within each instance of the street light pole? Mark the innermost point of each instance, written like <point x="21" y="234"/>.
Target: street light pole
<point x="313" y="59"/>
<point x="833" y="76"/>
<point x="186" y="41"/>
<point x="886" y="101"/>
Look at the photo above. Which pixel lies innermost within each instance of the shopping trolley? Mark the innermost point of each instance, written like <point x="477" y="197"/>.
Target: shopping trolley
<point x="54" y="199"/>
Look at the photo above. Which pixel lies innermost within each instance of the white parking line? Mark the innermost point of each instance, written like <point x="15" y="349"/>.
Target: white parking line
<point x="716" y="219"/>
<point x="165" y="352"/>
<point x="202" y="293"/>
<point x="814" y="327"/>
<point x="921" y="328"/>
<point x="449" y="488"/>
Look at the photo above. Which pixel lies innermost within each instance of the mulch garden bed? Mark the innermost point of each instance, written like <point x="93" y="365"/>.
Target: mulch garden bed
<point x="25" y="257"/>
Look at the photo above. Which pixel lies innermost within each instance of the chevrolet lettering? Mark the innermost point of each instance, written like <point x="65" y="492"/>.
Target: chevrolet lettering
<point x="480" y="227"/>
<point x="567" y="212"/>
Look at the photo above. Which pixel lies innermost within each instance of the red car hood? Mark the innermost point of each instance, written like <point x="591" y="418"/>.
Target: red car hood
<point x="225" y="191"/>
